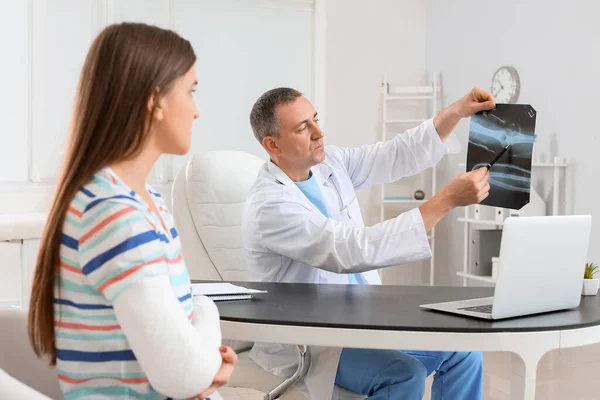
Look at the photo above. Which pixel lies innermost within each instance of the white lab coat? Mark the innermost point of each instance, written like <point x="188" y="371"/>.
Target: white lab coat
<point x="287" y="239"/>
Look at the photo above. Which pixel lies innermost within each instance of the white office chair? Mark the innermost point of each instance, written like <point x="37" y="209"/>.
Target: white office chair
<point x="29" y="373"/>
<point x="12" y="389"/>
<point x="24" y="376"/>
<point x="209" y="192"/>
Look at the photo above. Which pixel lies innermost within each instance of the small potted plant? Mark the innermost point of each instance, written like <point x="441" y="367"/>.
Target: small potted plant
<point x="590" y="284"/>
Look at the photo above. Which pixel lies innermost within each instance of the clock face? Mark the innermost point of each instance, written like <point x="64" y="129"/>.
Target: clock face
<point x="505" y="85"/>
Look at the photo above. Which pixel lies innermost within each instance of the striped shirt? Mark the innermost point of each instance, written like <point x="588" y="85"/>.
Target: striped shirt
<point x="110" y="240"/>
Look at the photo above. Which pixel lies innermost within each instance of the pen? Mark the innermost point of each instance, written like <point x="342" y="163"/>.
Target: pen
<point x="497" y="157"/>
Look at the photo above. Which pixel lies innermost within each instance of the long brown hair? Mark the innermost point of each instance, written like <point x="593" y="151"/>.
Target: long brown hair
<point x="126" y="65"/>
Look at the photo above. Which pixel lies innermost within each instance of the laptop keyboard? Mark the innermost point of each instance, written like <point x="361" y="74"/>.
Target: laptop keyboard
<point x="486" y="309"/>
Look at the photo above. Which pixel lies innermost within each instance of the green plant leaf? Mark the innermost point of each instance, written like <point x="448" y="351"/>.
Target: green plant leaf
<point x="590" y="270"/>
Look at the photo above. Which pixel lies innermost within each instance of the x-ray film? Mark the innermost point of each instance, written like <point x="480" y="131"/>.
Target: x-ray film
<point x="489" y="132"/>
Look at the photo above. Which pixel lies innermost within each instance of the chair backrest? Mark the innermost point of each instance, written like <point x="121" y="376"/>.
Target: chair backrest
<point x="17" y="358"/>
<point x="209" y="194"/>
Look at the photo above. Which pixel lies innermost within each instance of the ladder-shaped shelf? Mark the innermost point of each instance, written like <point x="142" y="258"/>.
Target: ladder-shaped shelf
<point x="426" y="97"/>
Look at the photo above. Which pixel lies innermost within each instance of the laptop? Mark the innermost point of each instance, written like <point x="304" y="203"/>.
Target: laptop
<point x="542" y="260"/>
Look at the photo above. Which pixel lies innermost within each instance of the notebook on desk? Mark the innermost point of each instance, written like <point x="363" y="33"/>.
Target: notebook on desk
<point x="223" y="291"/>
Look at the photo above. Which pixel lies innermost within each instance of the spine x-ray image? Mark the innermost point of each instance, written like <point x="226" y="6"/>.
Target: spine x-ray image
<point x="490" y="131"/>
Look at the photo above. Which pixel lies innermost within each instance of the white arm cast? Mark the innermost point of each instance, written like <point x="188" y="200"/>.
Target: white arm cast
<point x="179" y="359"/>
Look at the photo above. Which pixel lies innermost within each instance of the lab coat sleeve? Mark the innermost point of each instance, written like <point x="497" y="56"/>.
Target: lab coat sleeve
<point x="406" y="154"/>
<point x="305" y="235"/>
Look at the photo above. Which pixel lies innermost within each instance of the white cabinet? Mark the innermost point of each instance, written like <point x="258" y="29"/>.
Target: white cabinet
<point x="19" y="243"/>
<point x="17" y="269"/>
<point x="10" y="270"/>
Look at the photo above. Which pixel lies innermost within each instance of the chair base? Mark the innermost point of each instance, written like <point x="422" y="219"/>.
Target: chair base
<point x="248" y="374"/>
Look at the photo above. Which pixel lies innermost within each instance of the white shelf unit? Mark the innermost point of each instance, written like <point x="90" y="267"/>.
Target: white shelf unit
<point x="403" y="201"/>
<point x="557" y="165"/>
<point x="487" y="279"/>
<point x="427" y="97"/>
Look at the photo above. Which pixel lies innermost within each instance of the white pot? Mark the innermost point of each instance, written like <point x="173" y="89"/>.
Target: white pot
<point x="590" y="287"/>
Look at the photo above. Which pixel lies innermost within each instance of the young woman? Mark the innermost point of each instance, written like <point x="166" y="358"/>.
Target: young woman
<point x="111" y="302"/>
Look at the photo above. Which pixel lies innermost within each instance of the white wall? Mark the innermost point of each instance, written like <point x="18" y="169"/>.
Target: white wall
<point x="243" y="49"/>
<point x="364" y="41"/>
<point x="553" y="45"/>
<point x="14" y="102"/>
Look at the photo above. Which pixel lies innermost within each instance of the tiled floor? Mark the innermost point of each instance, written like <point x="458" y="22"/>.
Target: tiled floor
<point x="570" y="374"/>
<point x="229" y="393"/>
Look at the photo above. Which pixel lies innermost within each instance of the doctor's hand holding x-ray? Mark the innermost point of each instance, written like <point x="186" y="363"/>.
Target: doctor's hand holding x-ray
<point x="302" y="223"/>
<point x="471" y="187"/>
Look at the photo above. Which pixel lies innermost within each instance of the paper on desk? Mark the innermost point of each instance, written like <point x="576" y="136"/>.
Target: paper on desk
<point x="221" y="288"/>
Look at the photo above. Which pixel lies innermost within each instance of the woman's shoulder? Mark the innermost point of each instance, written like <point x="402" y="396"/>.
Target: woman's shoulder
<point x="96" y="196"/>
<point x="102" y="201"/>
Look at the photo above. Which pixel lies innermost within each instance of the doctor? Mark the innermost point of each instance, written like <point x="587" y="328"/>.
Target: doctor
<point x="302" y="223"/>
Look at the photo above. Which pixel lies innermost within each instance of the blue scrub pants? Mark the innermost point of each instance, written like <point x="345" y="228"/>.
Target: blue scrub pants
<point x="394" y="374"/>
